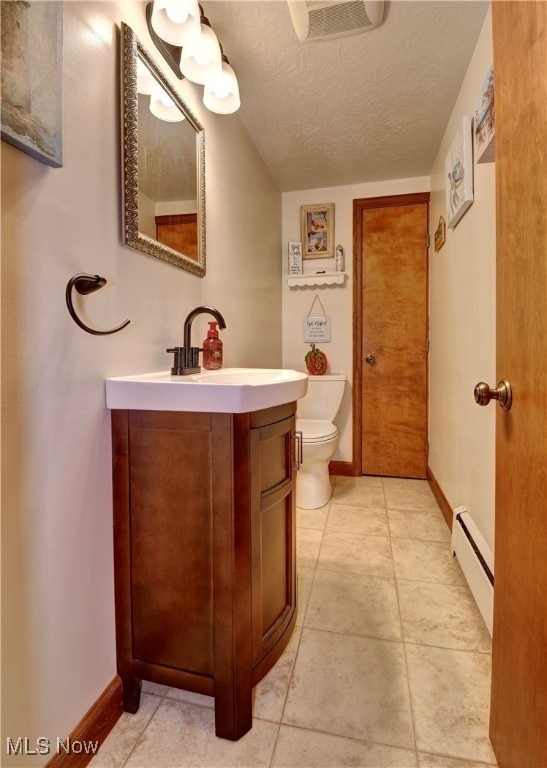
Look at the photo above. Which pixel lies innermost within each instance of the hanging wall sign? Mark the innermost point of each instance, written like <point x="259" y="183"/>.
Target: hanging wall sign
<point x="317" y="328"/>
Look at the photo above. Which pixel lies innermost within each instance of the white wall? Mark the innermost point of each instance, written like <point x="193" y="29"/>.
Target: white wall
<point x="57" y="571"/>
<point x="337" y="300"/>
<point x="463" y="324"/>
<point x="175" y="207"/>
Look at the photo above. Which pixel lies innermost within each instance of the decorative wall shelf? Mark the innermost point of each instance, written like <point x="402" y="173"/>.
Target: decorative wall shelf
<point x="328" y="278"/>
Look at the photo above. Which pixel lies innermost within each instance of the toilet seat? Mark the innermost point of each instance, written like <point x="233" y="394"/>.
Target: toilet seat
<point x="316" y="430"/>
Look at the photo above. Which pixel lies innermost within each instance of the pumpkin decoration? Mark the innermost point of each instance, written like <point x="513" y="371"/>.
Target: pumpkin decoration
<point x="316" y="361"/>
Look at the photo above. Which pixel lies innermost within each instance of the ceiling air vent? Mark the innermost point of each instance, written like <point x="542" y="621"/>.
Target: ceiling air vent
<point x="326" y="19"/>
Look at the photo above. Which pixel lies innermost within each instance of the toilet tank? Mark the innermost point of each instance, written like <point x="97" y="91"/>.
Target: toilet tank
<point x="323" y="398"/>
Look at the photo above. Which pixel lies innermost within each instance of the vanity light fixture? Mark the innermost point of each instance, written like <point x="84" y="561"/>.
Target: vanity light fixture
<point x="176" y="21"/>
<point x="221" y="92"/>
<point x="201" y="58"/>
<point x="163" y="107"/>
<point x="186" y="40"/>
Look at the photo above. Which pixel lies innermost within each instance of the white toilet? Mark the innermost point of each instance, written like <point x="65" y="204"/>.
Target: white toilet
<point x="314" y="419"/>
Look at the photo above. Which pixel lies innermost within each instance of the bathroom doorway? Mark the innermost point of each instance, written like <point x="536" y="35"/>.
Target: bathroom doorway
<point x="390" y="335"/>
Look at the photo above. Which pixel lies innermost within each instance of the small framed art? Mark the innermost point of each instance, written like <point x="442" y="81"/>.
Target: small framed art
<point x="485" y="129"/>
<point x="440" y="234"/>
<point x="459" y="173"/>
<point x="318" y="231"/>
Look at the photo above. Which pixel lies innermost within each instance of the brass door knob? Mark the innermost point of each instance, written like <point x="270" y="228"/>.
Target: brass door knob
<point x="483" y="394"/>
<point x="370" y="359"/>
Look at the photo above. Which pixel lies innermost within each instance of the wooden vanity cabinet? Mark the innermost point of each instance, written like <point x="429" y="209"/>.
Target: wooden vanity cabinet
<point x="204" y="548"/>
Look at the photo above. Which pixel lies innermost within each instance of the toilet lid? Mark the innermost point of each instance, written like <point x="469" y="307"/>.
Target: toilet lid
<point x="316" y="430"/>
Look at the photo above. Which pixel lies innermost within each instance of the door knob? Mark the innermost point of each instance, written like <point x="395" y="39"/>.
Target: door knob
<point x="504" y="396"/>
<point x="370" y="359"/>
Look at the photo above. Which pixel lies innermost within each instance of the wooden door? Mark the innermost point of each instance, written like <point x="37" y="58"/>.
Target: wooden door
<point x="393" y="348"/>
<point x="180" y="232"/>
<point x="518" y="727"/>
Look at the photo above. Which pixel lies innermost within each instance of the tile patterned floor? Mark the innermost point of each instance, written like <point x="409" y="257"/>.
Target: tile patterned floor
<point x="388" y="667"/>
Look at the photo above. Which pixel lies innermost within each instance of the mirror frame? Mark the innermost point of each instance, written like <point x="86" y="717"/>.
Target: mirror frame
<point x="132" y="48"/>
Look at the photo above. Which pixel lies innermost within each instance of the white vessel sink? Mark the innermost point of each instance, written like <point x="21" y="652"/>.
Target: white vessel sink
<point x="229" y="390"/>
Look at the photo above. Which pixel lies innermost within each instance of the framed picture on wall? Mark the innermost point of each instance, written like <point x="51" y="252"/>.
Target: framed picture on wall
<point x="440" y="234"/>
<point x="459" y="173"/>
<point x="32" y="79"/>
<point x="317" y="222"/>
<point x="485" y="134"/>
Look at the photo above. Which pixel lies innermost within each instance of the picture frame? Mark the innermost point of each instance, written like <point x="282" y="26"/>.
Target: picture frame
<point x="317" y="225"/>
<point x="440" y="234"/>
<point x="32" y="79"/>
<point x="485" y="129"/>
<point x="459" y="173"/>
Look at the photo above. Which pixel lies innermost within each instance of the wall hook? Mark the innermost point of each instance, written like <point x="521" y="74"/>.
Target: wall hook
<point x="85" y="284"/>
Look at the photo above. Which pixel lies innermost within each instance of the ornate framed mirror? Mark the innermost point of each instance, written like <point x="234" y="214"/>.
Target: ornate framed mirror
<point x="163" y="164"/>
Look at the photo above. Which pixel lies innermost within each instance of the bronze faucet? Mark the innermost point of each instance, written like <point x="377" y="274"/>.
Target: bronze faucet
<point x="187" y="357"/>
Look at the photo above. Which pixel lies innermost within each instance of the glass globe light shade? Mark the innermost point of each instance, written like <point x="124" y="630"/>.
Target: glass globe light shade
<point x="221" y="91"/>
<point x="201" y="57"/>
<point x="163" y="107"/>
<point x="176" y="21"/>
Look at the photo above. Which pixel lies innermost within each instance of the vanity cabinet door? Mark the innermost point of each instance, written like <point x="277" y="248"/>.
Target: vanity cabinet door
<point x="273" y="535"/>
<point x="170" y="542"/>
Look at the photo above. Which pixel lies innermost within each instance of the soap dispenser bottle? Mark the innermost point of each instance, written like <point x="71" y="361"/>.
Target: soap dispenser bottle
<point x="212" y="349"/>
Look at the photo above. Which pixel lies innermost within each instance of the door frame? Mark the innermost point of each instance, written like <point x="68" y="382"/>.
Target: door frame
<point x="360" y="205"/>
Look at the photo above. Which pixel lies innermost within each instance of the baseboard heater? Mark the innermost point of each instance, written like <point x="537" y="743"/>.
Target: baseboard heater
<point x="476" y="560"/>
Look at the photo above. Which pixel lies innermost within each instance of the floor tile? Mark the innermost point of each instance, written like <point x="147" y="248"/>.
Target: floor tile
<point x="183" y="735"/>
<point x="123" y="737"/>
<point x="303" y="587"/>
<point x="450" y="692"/>
<point x="270" y="693"/>
<point x="356" y="554"/>
<point x="350" y="686"/>
<point x="341" y="688"/>
<point x="154" y="688"/>
<point x="362" y="494"/>
<point x="409" y="494"/>
<point x="443" y="615"/>
<point x="363" y="480"/>
<point x="308" y="542"/>
<point x="413" y="524"/>
<point x="425" y="561"/>
<point x="371" y="521"/>
<point x="354" y="604"/>
<point x="310" y="749"/>
<point x="312" y="518"/>
<point x="439" y="761"/>
<point x="189" y="697"/>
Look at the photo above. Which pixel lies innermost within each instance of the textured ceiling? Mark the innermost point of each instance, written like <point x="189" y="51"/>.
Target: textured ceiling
<point x="368" y="107"/>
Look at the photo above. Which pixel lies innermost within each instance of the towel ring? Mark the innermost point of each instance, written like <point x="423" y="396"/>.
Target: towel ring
<point x="85" y="284"/>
